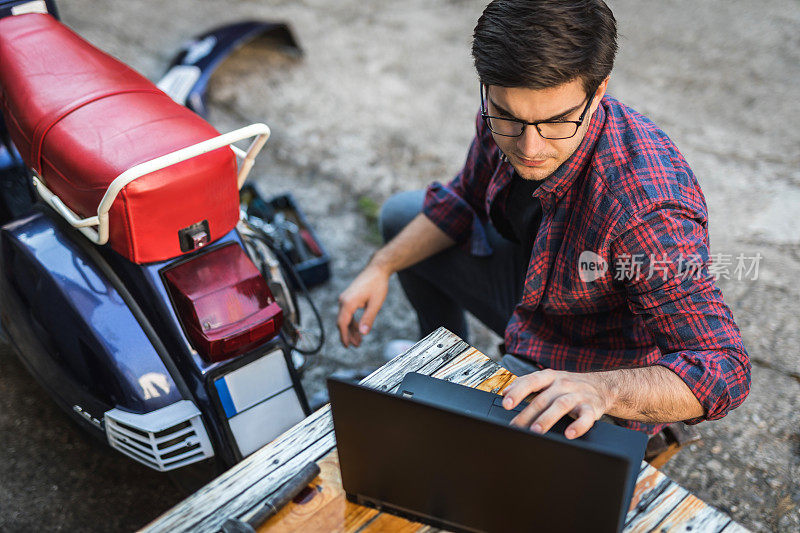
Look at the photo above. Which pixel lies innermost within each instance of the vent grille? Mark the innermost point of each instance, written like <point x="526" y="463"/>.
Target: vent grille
<point x="165" y="439"/>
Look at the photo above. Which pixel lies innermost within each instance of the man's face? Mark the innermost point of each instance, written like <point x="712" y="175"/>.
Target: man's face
<point x="533" y="157"/>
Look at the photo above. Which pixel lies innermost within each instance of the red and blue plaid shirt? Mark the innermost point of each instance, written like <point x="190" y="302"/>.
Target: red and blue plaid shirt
<point x="627" y="195"/>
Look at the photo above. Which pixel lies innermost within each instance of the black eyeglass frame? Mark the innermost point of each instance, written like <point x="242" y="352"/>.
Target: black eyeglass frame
<point x="486" y="116"/>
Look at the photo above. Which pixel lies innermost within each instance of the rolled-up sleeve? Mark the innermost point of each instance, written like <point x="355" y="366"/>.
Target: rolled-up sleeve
<point x="663" y="263"/>
<point x="458" y="207"/>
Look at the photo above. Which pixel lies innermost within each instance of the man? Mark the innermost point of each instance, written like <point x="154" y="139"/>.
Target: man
<point x="576" y="230"/>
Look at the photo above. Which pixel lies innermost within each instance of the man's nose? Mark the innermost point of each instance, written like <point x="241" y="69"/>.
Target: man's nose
<point x="530" y="143"/>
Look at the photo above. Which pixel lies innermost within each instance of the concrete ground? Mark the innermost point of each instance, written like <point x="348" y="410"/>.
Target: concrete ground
<point x="384" y="101"/>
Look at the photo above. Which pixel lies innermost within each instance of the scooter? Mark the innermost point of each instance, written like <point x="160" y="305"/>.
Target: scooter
<point x="130" y="285"/>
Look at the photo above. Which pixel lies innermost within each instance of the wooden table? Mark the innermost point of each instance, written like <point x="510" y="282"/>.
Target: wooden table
<point x="658" y="503"/>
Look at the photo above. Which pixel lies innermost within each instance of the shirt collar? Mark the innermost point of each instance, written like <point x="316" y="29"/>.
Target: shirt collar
<point x="565" y="175"/>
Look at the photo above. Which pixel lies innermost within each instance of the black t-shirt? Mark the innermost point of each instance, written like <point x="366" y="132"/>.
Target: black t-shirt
<point x="523" y="213"/>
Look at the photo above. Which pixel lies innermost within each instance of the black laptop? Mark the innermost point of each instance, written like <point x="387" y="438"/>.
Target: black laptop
<point x="444" y="454"/>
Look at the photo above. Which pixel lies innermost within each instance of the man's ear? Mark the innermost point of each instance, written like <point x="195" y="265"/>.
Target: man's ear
<point x="599" y="93"/>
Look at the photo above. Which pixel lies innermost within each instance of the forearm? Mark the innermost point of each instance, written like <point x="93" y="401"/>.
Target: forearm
<point x="419" y="240"/>
<point x="652" y="394"/>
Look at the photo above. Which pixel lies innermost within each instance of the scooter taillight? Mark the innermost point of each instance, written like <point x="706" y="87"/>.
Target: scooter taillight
<point x="223" y="302"/>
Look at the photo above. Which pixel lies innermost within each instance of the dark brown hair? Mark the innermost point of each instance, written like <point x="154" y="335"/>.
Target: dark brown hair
<point x="540" y="44"/>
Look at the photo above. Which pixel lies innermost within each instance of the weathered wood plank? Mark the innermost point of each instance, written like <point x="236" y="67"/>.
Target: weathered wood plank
<point x="693" y="515"/>
<point x="245" y="501"/>
<point x="655" y="492"/>
<point x="650" y="484"/>
<point x="660" y="507"/>
<point x="471" y="368"/>
<point x="327" y="510"/>
<point x="498" y="382"/>
<point x="435" y="350"/>
<point x="209" y="507"/>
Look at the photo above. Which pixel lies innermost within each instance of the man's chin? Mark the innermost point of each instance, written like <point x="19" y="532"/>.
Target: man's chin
<point x="534" y="173"/>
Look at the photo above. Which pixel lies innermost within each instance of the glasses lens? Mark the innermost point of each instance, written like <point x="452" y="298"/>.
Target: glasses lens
<point x="501" y="126"/>
<point x="557" y="130"/>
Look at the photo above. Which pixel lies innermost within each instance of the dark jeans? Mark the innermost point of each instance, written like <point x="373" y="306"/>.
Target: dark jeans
<point x="443" y="286"/>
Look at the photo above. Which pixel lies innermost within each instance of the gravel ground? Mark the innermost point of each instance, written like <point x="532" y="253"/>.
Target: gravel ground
<point x="384" y="101"/>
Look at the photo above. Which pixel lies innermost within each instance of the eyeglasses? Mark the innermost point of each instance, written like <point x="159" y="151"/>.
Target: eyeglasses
<point x="548" y="129"/>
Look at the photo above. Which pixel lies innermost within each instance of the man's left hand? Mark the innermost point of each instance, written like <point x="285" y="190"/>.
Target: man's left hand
<point x="583" y="396"/>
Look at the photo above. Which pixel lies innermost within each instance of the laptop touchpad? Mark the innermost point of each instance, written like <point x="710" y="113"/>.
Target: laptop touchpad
<point x="499" y="413"/>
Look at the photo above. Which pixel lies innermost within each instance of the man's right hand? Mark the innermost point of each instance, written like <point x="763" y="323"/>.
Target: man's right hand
<point x="419" y="240"/>
<point x="368" y="292"/>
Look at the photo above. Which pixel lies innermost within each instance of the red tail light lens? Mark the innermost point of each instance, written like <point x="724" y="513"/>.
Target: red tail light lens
<point x="224" y="303"/>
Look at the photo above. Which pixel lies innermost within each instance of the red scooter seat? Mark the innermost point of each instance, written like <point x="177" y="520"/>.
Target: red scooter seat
<point x="80" y="118"/>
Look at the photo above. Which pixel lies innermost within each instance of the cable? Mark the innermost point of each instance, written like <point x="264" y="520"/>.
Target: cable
<point x="284" y="260"/>
<point x="304" y="290"/>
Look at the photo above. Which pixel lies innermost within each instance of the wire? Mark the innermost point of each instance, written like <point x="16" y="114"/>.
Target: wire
<point x="286" y="262"/>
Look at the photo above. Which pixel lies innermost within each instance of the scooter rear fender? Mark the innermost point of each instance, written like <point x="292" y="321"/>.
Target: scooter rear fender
<point x="72" y="329"/>
<point x="80" y="338"/>
<point x="146" y="284"/>
<point x="187" y="77"/>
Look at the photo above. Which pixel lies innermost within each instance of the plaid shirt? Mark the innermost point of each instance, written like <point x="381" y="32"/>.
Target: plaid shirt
<point x="627" y="195"/>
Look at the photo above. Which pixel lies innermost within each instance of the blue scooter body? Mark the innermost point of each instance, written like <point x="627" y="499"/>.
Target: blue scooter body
<point x="97" y="331"/>
<point x="95" y="343"/>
